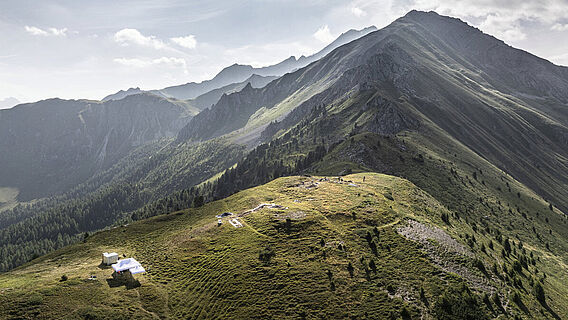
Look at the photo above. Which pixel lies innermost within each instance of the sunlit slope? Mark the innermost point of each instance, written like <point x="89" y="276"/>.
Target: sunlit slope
<point x="288" y="262"/>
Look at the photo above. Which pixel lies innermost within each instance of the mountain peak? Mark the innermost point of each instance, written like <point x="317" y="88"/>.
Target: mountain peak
<point x="420" y="13"/>
<point x="431" y="17"/>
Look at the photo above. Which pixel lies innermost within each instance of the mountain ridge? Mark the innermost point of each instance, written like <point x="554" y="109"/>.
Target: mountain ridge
<point x="483" y="143"/>
<point x="237" y="73"/>
<point x="78" y="137"/>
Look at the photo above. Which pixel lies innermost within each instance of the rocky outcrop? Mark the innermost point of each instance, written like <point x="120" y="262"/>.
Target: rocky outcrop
<point x="387" y="117"/>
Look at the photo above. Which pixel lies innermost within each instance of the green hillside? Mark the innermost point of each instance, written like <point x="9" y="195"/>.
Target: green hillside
<point x="369" y="246"/>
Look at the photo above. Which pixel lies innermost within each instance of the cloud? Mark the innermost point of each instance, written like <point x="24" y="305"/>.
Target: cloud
<point x="186" y="42"/>
<point x="142" y="63"/>
<point x="323" y="34"/>
<point x="559" y="27"/>
<point x="358" y="12"/>
<point x="58" y="32"/>
<point x="132" y="36"/>
<point x="36" y="31"/>
<point x="504" y="28"/>
<point x="561" y="59"/>
<point x="49" y="32"/>
<point x="505" y="19"/>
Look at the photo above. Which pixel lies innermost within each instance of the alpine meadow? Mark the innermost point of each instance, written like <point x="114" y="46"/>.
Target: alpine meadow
<point x="413" y="171"/>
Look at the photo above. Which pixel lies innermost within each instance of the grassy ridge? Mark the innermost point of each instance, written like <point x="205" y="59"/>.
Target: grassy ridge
<point x="490" y="205"/>
<point x="198" y="270"/>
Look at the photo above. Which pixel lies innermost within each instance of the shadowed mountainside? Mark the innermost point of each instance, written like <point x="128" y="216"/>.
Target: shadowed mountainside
<point x="53" y="145"/>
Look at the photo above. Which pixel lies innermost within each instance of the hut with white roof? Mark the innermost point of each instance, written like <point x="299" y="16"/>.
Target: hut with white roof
<point x="110" y="258"/>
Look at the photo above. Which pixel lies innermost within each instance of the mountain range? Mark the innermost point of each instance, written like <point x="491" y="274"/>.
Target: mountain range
<point x="467" y="216"/>
<point x="237" y="73"/>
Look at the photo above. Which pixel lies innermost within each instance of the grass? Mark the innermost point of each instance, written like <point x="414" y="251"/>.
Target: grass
<point x="196" y="269"/>
<point x="8" y="197"/>
<point x="501" y="212"/>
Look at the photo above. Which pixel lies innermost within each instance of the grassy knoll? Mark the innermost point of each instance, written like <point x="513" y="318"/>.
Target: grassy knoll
<point x="334" y="251"/>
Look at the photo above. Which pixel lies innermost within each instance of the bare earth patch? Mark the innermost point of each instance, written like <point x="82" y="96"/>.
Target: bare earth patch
<point x="445" y="252"/>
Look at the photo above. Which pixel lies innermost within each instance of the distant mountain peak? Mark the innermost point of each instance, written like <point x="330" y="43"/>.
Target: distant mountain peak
<point x="237" y="73"/>
<point x="122" y="93"/>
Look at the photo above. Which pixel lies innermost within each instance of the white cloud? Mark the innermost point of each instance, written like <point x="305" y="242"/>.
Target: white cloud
<point x="559" y="27"/>
<point x="358" y="12"/>
<point x="561" y="59"/>
<point x="49" y="32"/>
<point x="504" y="28"/>
<point x="509" y="20"/>
<point x="186" y="42"/>
<point x="36" y="31"/>
<point x="58" y="32"/>
<point x="129" y="36"/>
<point x="323" y="34"/>
<point x="142" y="63"/>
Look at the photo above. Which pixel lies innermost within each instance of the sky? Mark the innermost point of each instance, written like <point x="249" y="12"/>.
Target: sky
<point x="88" y="49"/>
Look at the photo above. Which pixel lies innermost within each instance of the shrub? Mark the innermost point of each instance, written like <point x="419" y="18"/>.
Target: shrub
<point x="538" y="292"/>
<point x="404" y="313"/>
<point x="445" y="218"/>
<point x="350" y="269"/>
<point x="422" y="294"/>
<point x="479" y="265"/>
<point x="373" y="266"/>
<point x="454" y="304"/>
<point x="266" y="254"/>
<point x="64" y="278"/>
<point x="516" y="298"/>
<point x="496" y="300"/>
<point x="35" y="299"/>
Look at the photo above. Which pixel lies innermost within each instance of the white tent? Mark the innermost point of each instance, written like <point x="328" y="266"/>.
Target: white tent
<point x="129" y="264"/>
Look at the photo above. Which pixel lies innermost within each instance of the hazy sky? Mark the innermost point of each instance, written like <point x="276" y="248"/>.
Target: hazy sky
<point x="88" y="49"/>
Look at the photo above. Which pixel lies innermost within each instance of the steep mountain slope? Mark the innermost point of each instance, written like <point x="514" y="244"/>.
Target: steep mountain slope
<point x="505" y="104"/>
<point x="53" y="145"/>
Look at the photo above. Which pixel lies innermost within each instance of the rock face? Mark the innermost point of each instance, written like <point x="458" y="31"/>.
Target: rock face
<point x="51" y="145"/>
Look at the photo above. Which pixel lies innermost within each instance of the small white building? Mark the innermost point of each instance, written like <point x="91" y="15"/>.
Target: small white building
<point x="110" y="258"/>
